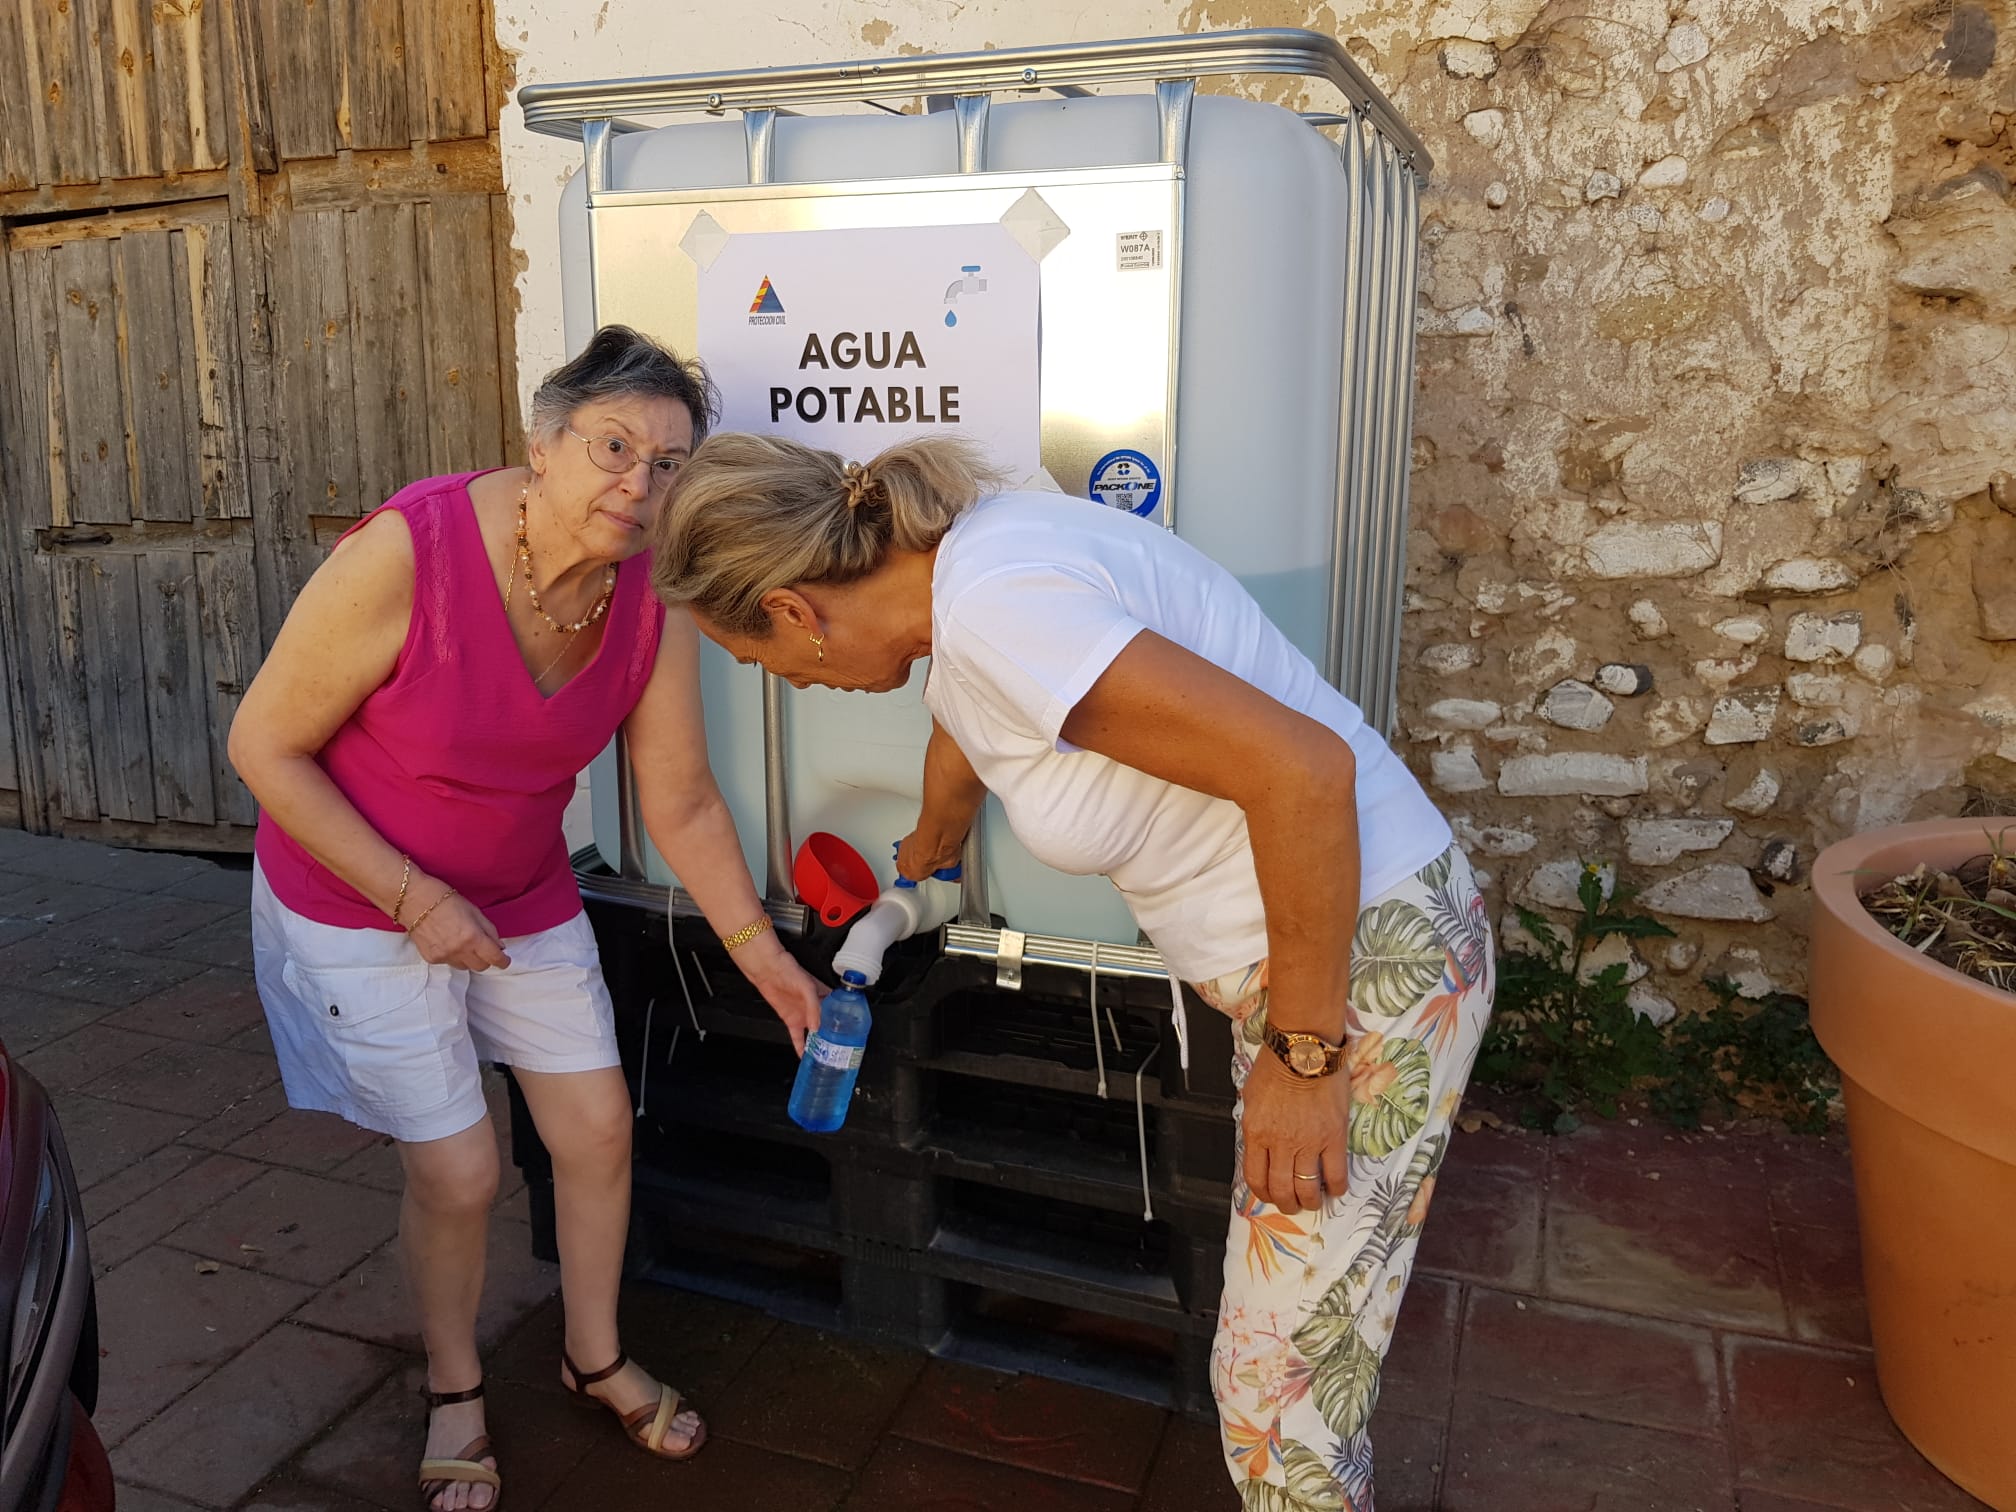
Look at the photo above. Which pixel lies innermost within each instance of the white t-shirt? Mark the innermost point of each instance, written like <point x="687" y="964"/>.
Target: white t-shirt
<point x="1032" y="597"/>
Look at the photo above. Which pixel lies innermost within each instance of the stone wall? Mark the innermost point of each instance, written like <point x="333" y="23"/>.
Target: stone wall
<point x="1715" y="451"/>
<point x="1714" y="556"/>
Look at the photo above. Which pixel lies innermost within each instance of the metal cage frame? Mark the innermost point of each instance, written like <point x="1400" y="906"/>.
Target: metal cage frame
<point x="1385" y="165"/>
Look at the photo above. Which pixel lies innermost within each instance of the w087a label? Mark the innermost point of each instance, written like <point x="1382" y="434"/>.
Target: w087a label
<point x="839" y="1057"/>
<point x="1137" y="251"/>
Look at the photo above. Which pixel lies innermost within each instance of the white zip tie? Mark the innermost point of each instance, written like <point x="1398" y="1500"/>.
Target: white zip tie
<point x="1179" y="1016"/>
<point x="1098" y="1046"/>
<point x="673" y="1048"/>
<point x="687" y="993"/>
<point x="644" y="1057"/>
<point x="701" y="972"/>
<point x="1141" y="1129"/>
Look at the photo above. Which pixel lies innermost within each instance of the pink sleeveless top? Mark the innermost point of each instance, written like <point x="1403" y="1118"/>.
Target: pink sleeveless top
<point x="457" y="760"/>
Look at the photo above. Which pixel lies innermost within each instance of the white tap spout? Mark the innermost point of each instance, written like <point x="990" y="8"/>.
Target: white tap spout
<point x="899" y="913"/>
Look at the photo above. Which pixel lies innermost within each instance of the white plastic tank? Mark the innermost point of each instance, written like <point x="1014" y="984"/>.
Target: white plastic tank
<point x="1285" y="344"/>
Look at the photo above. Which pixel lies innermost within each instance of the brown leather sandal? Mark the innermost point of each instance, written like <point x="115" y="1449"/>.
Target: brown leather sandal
<point x="438" y="1475"/>
<point x="646" y="1426"/>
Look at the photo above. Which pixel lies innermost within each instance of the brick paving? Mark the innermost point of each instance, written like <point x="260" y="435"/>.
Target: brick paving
<point x="1623" y="1320"/>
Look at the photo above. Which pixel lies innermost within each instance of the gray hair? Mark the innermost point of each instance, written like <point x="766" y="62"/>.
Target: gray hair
<point x="619" y="363"/>
<point x="753" y="513"/>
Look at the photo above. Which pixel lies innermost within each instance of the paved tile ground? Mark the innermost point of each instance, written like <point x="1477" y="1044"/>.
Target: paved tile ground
<point x="1624" y="1320"/>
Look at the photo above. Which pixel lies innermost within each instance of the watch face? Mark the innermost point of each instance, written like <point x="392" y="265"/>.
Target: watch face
<point x="1305" y="1058"/>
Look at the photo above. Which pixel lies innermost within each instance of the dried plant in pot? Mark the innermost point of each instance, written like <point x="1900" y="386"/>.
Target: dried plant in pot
<point x="1927" y="1053"/>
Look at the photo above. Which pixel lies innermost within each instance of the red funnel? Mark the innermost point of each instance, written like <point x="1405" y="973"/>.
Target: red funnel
<point x="832" y="879"/>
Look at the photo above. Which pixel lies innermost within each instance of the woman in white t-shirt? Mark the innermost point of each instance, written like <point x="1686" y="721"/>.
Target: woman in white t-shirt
<point x="1138" y="716"/>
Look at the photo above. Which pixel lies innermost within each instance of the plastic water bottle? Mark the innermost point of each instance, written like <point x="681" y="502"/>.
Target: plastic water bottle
<point x="832" y="1058"/>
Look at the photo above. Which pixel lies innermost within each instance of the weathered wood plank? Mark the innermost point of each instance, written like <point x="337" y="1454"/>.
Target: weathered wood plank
<point x="143" y="536"/>
<point x="63" y="584"/>
<point x="190" y="84"/>
<point x="302" y="64"/>
<point x="313" y="436"/>
<point x="178" y="708"/>
<point x="391" y="392"/>
<point x="228" y="598"/>
<point x="250" y="93"/>
<point x="217" y="398"/>
<point x="445" y="38"/>
<point x="20" y="117"/>
<point x="424" y="172"/>
<point x="375" y="93"/>
<point x="195" y="440"/>
<point x="85" y="199"/>
<point x="94" y="409"/>
<point x="335" y="330"/>
<point x="299" y="454"/>
<point x="465" y="407"/>
<point x="162" y="835"/>
<point x="130" y="146"/>
<point x="154" y="309"/>
<point x="175" y="33"/>
<point x="10" y="767"/>
<point x="505" y="261"/>
<point x="21" y="626"/>
<point x="39" y="463"/>
<point x="283" y="548"/>
<point x="115" y="686"/>
<point x="119" y="223"/>
<point x="69" y="88"/>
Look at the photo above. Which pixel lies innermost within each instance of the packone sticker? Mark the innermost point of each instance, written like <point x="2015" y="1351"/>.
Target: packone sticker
<point x="1126" y="480"/>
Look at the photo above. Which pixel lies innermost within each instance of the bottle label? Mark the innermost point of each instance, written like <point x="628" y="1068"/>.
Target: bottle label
<point x="839" y="1057"/>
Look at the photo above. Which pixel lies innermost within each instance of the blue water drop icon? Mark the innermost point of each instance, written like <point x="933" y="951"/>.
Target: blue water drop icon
<point x="951" y="319"/>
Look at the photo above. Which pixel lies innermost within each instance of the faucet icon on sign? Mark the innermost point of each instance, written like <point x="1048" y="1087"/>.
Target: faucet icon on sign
<point x="972" y="283"/>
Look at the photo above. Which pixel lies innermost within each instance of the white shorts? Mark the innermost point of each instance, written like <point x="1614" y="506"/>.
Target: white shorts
<point x="366" y="1029"/>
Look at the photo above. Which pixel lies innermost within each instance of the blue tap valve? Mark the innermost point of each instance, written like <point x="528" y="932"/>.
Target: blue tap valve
<point x="945" y="874"/>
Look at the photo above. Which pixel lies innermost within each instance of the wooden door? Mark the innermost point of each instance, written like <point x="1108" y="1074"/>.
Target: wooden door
<point x="140" y="621"/>
<point x="387" y="363"/>
<point x="254" y="276"/>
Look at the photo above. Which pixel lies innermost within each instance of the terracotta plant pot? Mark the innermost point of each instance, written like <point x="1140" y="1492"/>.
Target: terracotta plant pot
<point x="1928" y="1069"/>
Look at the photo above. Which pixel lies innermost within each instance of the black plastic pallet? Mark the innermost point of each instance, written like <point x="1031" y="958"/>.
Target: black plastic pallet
<point x="1075" y="1149"/>
<point x="983" y="1288"/>
<point x="720" y="1164"/>
<point x="944" y="1020"/>
<point x="983" y="1200"/>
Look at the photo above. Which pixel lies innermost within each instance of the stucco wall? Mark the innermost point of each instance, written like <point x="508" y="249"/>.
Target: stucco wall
<point x="1714" y="555"/>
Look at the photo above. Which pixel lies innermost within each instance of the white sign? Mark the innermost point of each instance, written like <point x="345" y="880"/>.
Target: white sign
<point x="854" y="340"/>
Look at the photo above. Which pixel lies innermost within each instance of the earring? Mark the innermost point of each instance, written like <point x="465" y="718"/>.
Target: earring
<point x="820" y="642"/>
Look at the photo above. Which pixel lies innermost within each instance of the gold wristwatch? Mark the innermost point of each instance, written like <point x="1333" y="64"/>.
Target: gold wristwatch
<point x="1308" y="1056"/>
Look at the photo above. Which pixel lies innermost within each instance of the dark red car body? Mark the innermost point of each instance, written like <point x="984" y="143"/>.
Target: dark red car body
<point x="51" y="1459"/>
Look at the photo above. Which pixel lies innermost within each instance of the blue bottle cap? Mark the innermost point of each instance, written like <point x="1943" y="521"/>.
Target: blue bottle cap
<point x="854" y="979"/>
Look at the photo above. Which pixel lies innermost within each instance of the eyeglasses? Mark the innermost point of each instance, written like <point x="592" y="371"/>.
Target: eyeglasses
<point x="615" y="455"/>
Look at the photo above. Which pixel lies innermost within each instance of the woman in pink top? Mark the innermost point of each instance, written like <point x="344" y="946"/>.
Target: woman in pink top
<point x="413" y="739"/>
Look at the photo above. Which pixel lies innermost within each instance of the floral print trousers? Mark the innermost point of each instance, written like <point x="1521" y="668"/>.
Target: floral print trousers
<point x="1311" y="1298"/>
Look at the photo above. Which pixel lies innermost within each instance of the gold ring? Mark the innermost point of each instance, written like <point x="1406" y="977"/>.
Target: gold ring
<point x="1306" y="1176"/>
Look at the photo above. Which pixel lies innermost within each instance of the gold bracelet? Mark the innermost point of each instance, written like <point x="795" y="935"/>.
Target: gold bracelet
<point x="429" y="909"/>
<point x="746" y="933"/>
<point x="399" y="903"/>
